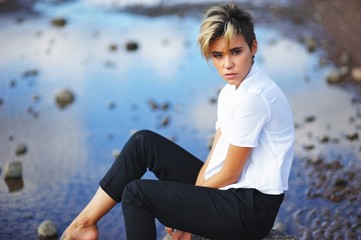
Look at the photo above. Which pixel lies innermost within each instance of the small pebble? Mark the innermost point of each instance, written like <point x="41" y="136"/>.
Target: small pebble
<point x="165" y="121"/>
<point x="352" y="136"/>
<point x="31" y="73"/>
<point x="21" y="149"/>
<point x="64" y="97"/>
<point x="310" y="44"/>
<point x="113" y="47"/>
<point x="310" y="119"/>
<point x="279" y="226"/>
<point x="334" y="77"/>
<point x="115" y="153"/>
<point x="58" y="22"/>
<point x="132" y="46"/>
<point x="356" y="74"/>
<point x="153" y="105"/>
<point x="47" y="229"/>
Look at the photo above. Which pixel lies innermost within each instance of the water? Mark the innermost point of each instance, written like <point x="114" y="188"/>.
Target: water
<point x="70" y="149"/>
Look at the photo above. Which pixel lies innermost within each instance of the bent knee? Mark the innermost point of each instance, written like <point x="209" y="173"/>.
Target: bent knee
<point x="130" y="192"/>
<point x="143" y="133"/>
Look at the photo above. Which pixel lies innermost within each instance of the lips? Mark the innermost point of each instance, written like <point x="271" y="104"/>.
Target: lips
<point x="230" y="75"/>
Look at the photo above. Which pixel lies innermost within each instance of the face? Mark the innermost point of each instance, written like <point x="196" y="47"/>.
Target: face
<point x="233" y="64"/>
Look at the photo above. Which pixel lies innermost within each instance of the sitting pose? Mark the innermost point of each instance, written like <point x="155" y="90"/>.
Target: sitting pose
<point x="237" y="192"/>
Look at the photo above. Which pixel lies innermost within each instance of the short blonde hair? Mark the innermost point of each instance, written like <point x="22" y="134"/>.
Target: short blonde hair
<point x="226" y="21"/>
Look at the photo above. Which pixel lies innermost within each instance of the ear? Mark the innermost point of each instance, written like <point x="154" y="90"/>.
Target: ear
<point x="254" y="47"/>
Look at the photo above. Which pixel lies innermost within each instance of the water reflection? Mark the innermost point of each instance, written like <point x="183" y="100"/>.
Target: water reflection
<point x="70" y="149"/>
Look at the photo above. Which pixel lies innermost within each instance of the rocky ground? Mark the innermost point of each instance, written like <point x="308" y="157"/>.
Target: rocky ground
<point x="334" y="26"/>
<point x="341" y="20"/>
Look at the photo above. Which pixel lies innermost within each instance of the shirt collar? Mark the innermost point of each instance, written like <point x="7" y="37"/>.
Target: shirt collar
<point x="255" y="68"/>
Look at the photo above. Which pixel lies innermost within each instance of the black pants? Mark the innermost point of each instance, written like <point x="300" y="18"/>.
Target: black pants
<point x="175" y="201"/>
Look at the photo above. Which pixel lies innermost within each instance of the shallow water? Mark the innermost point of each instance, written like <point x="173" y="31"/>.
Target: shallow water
<point x="70" y="149"/>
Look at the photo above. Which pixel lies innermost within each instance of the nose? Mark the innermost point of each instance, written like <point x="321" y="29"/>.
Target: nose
<point x="228" y="63"/>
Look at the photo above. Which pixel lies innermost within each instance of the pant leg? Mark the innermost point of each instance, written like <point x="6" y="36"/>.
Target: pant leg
<point x="208" y="212"/>
<point x="149" y="150"/>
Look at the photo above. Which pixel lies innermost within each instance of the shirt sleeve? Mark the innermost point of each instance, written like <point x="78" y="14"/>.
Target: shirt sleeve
<point x="250" y="115"/>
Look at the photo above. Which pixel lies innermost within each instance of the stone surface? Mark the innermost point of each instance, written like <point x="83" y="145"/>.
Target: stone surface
<point x="64" y="98"/>
<point x="47" y="229"/>
<point x="21" y="149"/>
<point x="13" y="169"/>
<point x="273" y="235"/>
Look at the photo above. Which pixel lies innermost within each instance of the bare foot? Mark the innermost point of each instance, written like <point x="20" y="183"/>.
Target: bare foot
<point x="80" y="232"/>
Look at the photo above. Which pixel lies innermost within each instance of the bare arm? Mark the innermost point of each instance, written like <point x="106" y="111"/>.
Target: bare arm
<point x="233" y="165"/>
<point x="200" y="178"/>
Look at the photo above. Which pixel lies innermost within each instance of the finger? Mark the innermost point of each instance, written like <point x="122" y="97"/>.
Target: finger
<point x="169" y="230"/>
<point x="176" y="235"/>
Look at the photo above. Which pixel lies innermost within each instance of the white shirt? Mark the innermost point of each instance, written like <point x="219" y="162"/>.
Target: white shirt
<point x="256" y="114"/>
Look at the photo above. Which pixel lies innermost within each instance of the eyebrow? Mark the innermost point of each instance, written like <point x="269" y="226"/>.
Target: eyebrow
<point x="236" y="48"/>
<point x="230" y="50"/>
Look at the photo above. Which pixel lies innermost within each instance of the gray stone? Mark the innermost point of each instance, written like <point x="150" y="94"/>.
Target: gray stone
<point x="279" y="235"/>
<point x="334" y="77"/>
<point x="13" y="169"/>
<point x="273" y="235"/>
<point x="21" y="149"/>
<point x="64" y="97"/>
<point x="310" y="44"/>
<point x="47" y="229"/>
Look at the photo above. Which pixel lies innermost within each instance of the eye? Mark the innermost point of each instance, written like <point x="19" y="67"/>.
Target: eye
<point x="236" y="52"/>
<point x="217" y="55"/>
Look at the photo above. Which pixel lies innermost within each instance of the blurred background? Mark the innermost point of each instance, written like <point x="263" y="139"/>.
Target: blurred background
<point x="78" y="77"/>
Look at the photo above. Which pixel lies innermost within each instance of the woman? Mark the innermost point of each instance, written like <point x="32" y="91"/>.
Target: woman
<point x="236" y="193"/>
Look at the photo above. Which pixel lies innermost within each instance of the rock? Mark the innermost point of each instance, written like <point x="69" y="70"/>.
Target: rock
<point x="279" y="235"/>
<point x="111" y="105"/>
<point x="308" y="147"/>
<point x="310" y="119"/>
<point x="35" y="97"/>
<point x="64" y="97"/>
<point x="30" y="73"/>
<point x="115" y="153"/>
<point x="58" y="22"/>
<point x="14" y="184"/>
<point x="13" y="170"/>
<point x="13" y="176"/>
<point x="337" y="75"/>
<point x="352" y="136"/>
<point x="333" y="77"/>
<point x="356" y="74"/>
<point x="165" y="106"/>
<point x="310" y="44"/>
<point x="47" y="229"/>
<point x="153" y="105"/>
<point x="279" y="226"/>
<point x="165" y="121"/>
<point x="21" y="149"/>
<point x="273" y="235"/>
<point x="132" y="46"/>
<point x="113" y="47"/>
